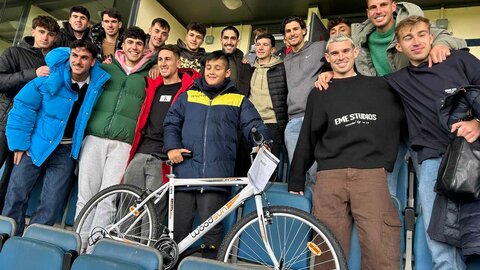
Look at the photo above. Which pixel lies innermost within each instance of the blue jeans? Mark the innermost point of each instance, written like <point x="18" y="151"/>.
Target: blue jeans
<point x="292" y="132"/>
<point x="445" y="257"/>
<point x="57" y="173"/>
<point x="393" y="177"/>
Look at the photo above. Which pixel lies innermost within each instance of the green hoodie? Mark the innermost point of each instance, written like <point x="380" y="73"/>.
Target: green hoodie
<point x="259" y="92"/>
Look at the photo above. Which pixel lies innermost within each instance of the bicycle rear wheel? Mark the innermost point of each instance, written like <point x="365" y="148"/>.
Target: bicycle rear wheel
<point x="298" y="240"/>
<point x="101" y="215"/>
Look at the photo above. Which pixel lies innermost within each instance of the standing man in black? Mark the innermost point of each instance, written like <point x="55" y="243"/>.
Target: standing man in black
<point x="75" y="28"/>
<point x="18" y="66"/>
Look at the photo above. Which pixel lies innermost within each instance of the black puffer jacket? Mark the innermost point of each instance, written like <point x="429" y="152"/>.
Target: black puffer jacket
<point x="97" y="35"/>
<point x="17" y="67"/>
<point x="277" y="86"/>
<point x="66" y="36"/>
<point x="457" y="223"/>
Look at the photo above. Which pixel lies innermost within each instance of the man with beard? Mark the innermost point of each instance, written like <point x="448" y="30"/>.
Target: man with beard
<point x="45" y="130"/>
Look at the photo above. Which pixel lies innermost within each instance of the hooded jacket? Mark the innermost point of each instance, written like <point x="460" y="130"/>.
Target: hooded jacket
<point x="187" y="76"/>
<point x="97" y="35"/>
<point x="206" y="121"/>
<point x="17" y="67"/>
<point x="116" y="113"/>
<point x="41" y="109"/>
<point x="361" y="31"/>
<point x="188" y="59"/>
<point x="66" y="36"/>
<point x="271" y="77"/>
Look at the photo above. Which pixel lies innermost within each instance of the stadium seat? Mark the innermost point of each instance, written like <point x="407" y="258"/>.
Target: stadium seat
<point x="115" y="255"/>
<point x="423" y="258"/>
<point x="41" y="248"/>
<point x="196" y="263"/>
<point x="8" y="228"/>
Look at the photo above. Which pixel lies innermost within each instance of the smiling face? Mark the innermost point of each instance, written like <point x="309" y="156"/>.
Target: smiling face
<point x="133" y="51"/>
<point x="194" y="40"/>
<point x="158" y="36"/>
<point x="229" y="41"/>
<point x="111" y="25"/>
<point x="43" y="39"/>
<point x="81" y="60"/>
<point x="264" y="49"/>
<point x="168" y="63"/>
<point x="78" y="22"/>
<point x="415" y="42"/>
<point x="216" y="71"/>
<point x="294" y="35"/>
<point x="380" y="13"/>
<point x="341" y="56"/>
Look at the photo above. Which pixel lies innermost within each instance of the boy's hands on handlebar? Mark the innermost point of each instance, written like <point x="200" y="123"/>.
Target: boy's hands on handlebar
<point x="175" y="155"/>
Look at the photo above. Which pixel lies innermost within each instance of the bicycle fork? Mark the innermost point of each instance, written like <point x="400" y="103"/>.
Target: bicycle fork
<point x="263" y="231"/>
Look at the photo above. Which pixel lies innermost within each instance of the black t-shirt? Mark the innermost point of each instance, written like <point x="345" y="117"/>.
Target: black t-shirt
<point x="152" y="141"/>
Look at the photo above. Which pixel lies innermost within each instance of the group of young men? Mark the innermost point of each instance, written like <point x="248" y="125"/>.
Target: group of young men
<point x="89" y="100"/>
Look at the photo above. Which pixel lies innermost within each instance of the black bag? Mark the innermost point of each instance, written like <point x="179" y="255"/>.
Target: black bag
<point x="459" y="173"/>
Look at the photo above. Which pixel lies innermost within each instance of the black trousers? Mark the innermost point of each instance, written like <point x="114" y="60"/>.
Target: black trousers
<point x="6" y="158"/>
<point x="206" y="203"/>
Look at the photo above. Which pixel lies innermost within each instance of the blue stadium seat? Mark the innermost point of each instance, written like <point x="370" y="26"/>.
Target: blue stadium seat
<point x="115" y="255"/>
<point x="190" y="263"/>
<point x="423" y="258"/>
<point x="41" y="248"/>
<point x="8" y="228"/>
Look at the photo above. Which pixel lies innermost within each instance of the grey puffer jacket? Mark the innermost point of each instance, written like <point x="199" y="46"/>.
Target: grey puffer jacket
<point x="361" y="31"/>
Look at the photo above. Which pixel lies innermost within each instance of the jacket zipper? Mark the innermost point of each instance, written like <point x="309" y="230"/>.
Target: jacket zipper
<point x="205" y="139"/>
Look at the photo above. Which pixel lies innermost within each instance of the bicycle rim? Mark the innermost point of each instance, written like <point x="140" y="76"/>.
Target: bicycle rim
<point x="298" y="240"/>
<point x="101" y="216"/>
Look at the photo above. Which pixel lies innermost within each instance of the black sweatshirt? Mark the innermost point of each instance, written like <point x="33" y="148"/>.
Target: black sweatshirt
<point x="354" y="124"/>
<point x="422" y="90"/>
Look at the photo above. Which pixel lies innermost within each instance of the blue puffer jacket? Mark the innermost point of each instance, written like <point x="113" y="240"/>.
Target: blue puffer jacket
<point x="207" y="124"/>
<point x="41" y="109"/>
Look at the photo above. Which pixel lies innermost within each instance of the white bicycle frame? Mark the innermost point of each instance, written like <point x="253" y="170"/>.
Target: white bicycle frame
<point x="213" y="220"/>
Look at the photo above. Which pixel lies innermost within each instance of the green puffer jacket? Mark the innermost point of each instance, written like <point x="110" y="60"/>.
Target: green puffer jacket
<point x="116" y="112"/>
<point x="361" y="31"/>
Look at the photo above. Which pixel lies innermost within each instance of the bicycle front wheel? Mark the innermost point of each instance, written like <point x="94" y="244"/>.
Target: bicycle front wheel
<point x="298" y="241"/>
<point x="101" y="216"/>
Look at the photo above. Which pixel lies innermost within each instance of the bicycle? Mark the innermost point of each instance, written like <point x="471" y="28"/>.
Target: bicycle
<point x="275" y="237"/>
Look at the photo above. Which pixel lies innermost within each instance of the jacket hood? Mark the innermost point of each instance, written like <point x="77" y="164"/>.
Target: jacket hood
<point x="195" y="55"/>
<point x="67" y="29"/>
<point x="212" y="91"/>
<point x="404" y="9"/>
<point x="27" y="43"/>
<point x="275" y="60"/>
<point x="121" y="59"/>
<point x="58" y="60"/>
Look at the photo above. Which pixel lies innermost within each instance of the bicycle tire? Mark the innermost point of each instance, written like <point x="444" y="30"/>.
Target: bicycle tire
<point x="120" y="198"/>
<point x="289" y="231"/>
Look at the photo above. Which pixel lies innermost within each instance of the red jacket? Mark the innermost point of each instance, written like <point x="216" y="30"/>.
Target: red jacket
<point x="187" y="75"/>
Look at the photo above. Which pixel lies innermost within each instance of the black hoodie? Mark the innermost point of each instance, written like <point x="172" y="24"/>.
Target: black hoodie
<point x="66" y="36"/>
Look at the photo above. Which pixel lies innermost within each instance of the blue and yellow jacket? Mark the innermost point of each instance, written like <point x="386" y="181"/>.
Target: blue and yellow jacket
<point x="41" y="109"/>
<point x="206" y="122"/>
